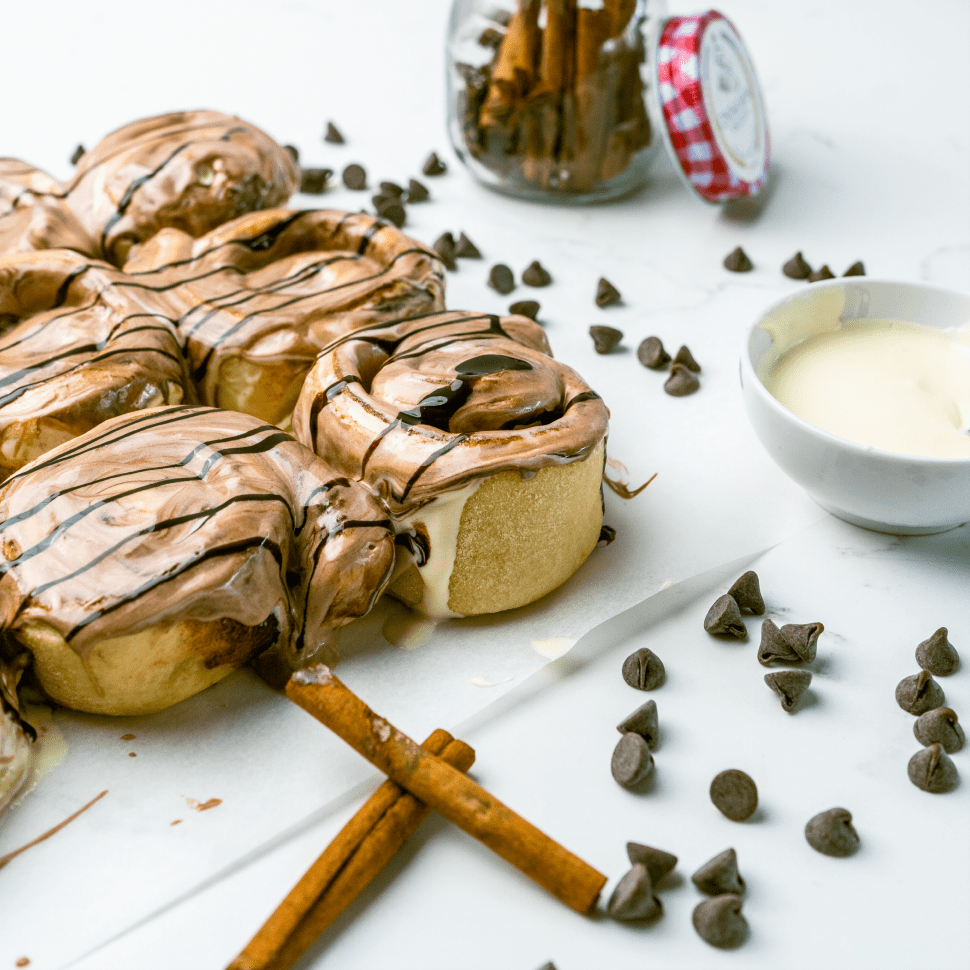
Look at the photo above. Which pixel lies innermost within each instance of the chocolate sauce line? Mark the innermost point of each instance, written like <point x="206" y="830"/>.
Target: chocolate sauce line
<point x="427" y="463"/>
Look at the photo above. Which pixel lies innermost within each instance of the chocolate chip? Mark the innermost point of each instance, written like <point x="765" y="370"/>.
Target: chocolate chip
<point x="642" y="721"/>
<point x="434" y="165"/>
<point x="292" y="149"/>
<point x="526" y="308"/>
<point x="444" y="246"/>
<point x="605" y="338"/>
<point x="313" y="181"/>
<point x="940" y="726"/>
<point x="392" y="188"/>
<point x="734" y="794"/>
<point x="719" y="875"/>
<point x="919" y="693"/>
<point x="466" y="249"/>
<point x="633" y="897"/>
<point x="737" y="261"/>
<point x="856" y="269"/>
<point x="932" y="770"/>
<point x="332" y="135"/>
<point x="789" y="685"/>
<point x="831" y="833"/>
<point x="392" y="210"/>
<point x="719" y="922"/>
<point x="354" y="177"/>
<point x="644" y="670"/>
<point x="651" y="354"/>
<point x="821" y="274"/>
<point x="658" y="863"/>
<point x="747" y="593"/>
<point x="793" y="643"/>
<point x="548" y="965"/>
<point x="500" y="278"/>
<point x="607" y="294"/>
<point x="724" y="619"/>
<point x="681" y="382"/>
<point x="417" y="192"/>
<point x="796" y="268"/>
<point x="803" y="638"/>
<point x="607" y="534"/>
<point x="79" y="153"/>
<point x="535" y="274"/>
<point x="938" y="655"/>
<point x="632" y="762"/>
<point x="686" y="359"/>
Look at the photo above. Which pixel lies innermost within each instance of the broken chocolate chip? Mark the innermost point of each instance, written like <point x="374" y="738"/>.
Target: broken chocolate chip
<point x="605" y="339"/>
<point x="500" y="278"/>
<point x="354" y="177"/>
<point x="642" y="721"/>
<point x="78" y="154"/>
<point x="651" y="354"/>
<point x="824" y="273"/>
<point x="392" y="188"/>
<point x="719" y="922"/>
<point x="719" y="875"/>
<point x="607" y="294"/>
<point x="466" y="249"/>
<point x="526" y="308"/>
<point x="724" y="619"/>
<point x="444" y="246"/>
<point x="632" y="762"/>
<point x="332" y="135"/>
<point x="737" y="261"/>
<point x="535" y="274"/>
<point x="633" y="897"/>
<point x="681" y="382"/>
<point x="789" y="685"/>
<point x="657" y="862"/>
<point x="734" y="794"/>
<point x="796" y="268"/>
<point x="644" y="670"/>
<point x="932" y="770"/>
<point x="313" y="181"/>
<point x="793" y="643"/>
<point x="856" y="269"/>
<point x="940" y="726"/>
<point x="686" y="358"/>
<point x="747" y="593"/>
<point x="831" y="833"/>
<point x="416" y="192"/>
<point x="919" y="693"/>
<point x="434" y="165"/>
<point x="392" y="210"/>
<point x="938" y="655"/>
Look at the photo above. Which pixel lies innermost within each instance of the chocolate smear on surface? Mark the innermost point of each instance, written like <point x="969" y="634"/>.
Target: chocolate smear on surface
<point x="651" y="354"/>
<point x="605" y="339"/>
<point x="686" y="358"/>
<point x="789" y="685"/>
<point x="824" y="273"/>
<point x="355" y="177"/>
<point x="535" y="274"/>
<point x="796" y="268"/>
<point x="633" y="897"/>
<point x="500" y="278"/>
<point x="681" y="382"/>
<point x="657" y="862"/>
<point x="644" y="670"/>
<point x="332" y="135"/>
<point x="734" y="794"/>
<point x="434" y="165"/>
<point x="938" y="655"/>
<point x="10" y="856"/>
<point x="78" y="154"/>
<point x="466" y="249"/>
<point x="931" y="769"/>
<point x="832" y="833"/>
<point x="417" y="192"/>
<point x="632" y="762"/>
<point x="719" y="922"/>
<point x="624" y="490"/>
<point x="313" y="181"/>
<point x="719" y="875"/>
<point x="747" y="593"/>
<point x="856" y="269"/>
<point x="643" y="721"/>
<point x="919" y="693"/>
<point x="724" y="618"/>
<point x="607" y="294"/>
<point x="526" y="308"/>
<point x="940" y="726"/>
<point x="737" y="261"/>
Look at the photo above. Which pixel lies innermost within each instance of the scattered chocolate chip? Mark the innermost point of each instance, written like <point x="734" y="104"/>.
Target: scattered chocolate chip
<point x="527" y="308"/>
<point x="856" y="269"/>
<point x="919" y="693"/>
<point x="932" y="770"/>
<point x="535" y="274"/>
<point x="605" y="339"/>
<point x="548" y="965"/>
<point x="658" y="863"/>
<point x="500" y="278"/>
<point x="789" y="685"/>
<point x="354" y="177"/>
<point x="724" y="618"/>
<point x="793" y="643"/>
<point x="392" y="210"/>
<point x="607" y="294"/>
<point x="821" y="274"/>
<point x="313" y="181"/>
<point x="392" y="188"/>
<point x="719" y="922"/>
<point x="803" y="638"/>
<point x="417" y="192"/>
<point x="632" y="762"/>
<point x="466" y="249"/>
<point x="444" y="246"/>
<point x="651" y="354"/>
<point x="734" y="794"/>
<point x="292" y="149"/>
<point x="747" y="593"/>
<point x="938" y="655"/>
<point x="681" y="382"/>
<point x="633" y="897"/>
<point x="434" y="165"/>
<point x="719" y="875"/>
<point x="831" y="833"/>
<point x="737" y="261"/>
<point x="79" y="153"/>
<point x="940" y="726"/>
<point x="686" y="359"/>
<point x="644" y="670"/>
<point x="490" y="37"/>
<point x="607" y="534"/>
<point x="642" y="721"/>
<point x="796" y="268"/>
<point x="332" y="135"/>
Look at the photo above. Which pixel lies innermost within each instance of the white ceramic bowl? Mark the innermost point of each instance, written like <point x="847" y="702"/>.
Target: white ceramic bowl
<point x="899" y="494"/>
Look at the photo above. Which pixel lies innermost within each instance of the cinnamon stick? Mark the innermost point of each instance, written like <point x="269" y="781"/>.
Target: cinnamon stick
<point x="446" y="790"/>
<point x="359" y="852"/>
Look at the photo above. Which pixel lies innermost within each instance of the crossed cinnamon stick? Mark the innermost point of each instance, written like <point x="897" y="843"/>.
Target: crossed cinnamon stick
<point x="421" y="778"/>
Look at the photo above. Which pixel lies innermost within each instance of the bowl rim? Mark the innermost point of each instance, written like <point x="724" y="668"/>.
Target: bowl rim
<point x="853" y="447"/>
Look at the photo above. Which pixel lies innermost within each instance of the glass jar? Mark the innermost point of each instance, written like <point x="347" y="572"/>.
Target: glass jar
<point x="569" y="100"/>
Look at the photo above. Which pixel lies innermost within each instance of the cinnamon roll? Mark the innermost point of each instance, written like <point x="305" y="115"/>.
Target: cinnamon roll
<point x="148" y="558"/>
<point x="487" y="451"/>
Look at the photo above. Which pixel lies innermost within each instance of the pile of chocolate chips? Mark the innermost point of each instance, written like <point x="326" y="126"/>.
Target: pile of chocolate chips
<point x="682" y="366"/>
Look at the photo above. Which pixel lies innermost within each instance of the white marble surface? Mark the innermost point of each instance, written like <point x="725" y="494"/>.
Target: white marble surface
<point x="870" y="116"/>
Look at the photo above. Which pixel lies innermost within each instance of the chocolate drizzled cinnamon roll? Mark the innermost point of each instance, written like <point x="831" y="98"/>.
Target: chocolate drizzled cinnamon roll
<point x="148" y="558"/>
<point x="488" y="451"/>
